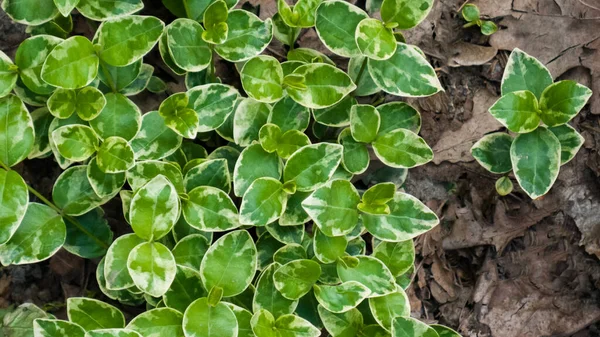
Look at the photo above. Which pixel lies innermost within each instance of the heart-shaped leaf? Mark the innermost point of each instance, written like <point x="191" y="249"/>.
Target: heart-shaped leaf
<point x="202" y="319"/>
<point x="248" y="36"/>
<point x="295" y="279"/>
<point x="368" y="271"/>
<point x="186" y="46"/>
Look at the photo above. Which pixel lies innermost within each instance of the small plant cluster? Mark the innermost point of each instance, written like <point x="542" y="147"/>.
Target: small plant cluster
<point x="264" y="236"/>
<point x="536" y="153"/>
<point x="470" y="13"/>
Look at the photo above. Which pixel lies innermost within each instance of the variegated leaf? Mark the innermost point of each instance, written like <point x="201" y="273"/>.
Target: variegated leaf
<point x="364" y="123"/>
<point x="375" y="40"/>
<point x="65" y="6"/>
<point x="90" y="102"/>
<point x="524" y="72"/>
<point x="286" y="234"/>
<point x="368" y="271"/>
<point x="289" y="115"/>
<point x="355" y="157"/>
<point x="328" y="249"/>
<point x="504" y="186"/>
<point x="264" y="324"/>
<point x="386" y="308"/>
<point x="493" y="152"/>
<point x="402" y="148"/>
<point x="158" y="322"/>
<point x="263" y="202"/>
<point x="154" y="209"/>
<point x="243" y="318"/>
<point x="213" y="103"/>
<point x="30" y="12"/>
<point x="341" y="298"/>
<point x="30" y="58"/>
<point x="186" y="46"/>
<point x="16" y="131"/>
<point x="185" y="289"/>
<point x="365" y="85"/>
<point x="289" y="253"/>
<point x="267" y="297"/>
<point x="116" y="273"/>
<point x="190" y="250"/>
<point x="213" y="172"/>
<point x="403" y="326"/>
<point x="178" y="116"/>
<point x="120" y="117"/>
<point x="91" y="238"/>
<point x="56" y="328"/>
<point x="336" y="115"/>
<point x="91" y="314"/>
<point x="299" y="56"/>
<point x="347" y="324"/>
<point x="312" y="165"/>
<point x="152" y="268"/>
<point x="154" y="140"/>
<point x="294" y="214"/>
<point x="405" y="14"/>
<point x="295" y="279"/>
<point x="104" y="184"/>
<point x="108" y="9"/>
<point x="518" y="111"/>
<point x="398" y="115"/>
<point x="14" y="198"/>
<point x="301" y="15"/>
<point x="8" y="74"/>
<point x="202" y="319"/>
<point x="76" y="142"/>
<point x="115" y="155"/>
<point x="250" y="115"/>
<point x="336" y="23"/>
<point x="41" y="123"/>
<point x="262" y="79"/>
<point x="73" y="193"/>
<point x="210" y="209"/>
<point x="113" y="333"/>
<point x="399" y="257"/>
<point x="562" y="101"/>
<point x="248" y="36"/>
<point x="325" y="85"/>
<point x="72" y="64"/>
<point x="119" y="78"/>
<point x="144" y="171"/>
<point x="140" y="83"/>
<point x="570" y="141"/>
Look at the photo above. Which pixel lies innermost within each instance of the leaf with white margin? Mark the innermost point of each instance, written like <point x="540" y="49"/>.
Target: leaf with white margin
<point x="328" y="249"/>
<point x="398" y="115"/>
<point x="91" y="314"/>
<point x="182" y="229"/>
<point x="493" y="152"/>
<point x="262" y="78"/>
<point x="130" y="296"/>
<point x="347" y="324"/>
<point x="213" y="172"/>
<point x="263" y="202"/>
<point x="30" y="12"/>
<point x="229" y="263"/>
<point x="325" y="85"/>
<point x="402" y="148"/>
<point x="250" y="115"/>
<point x="243" y="318"/>
<point x="75" y="142"/>
<point x="115" y="266"/>
<point x="289" y="115"/>
<point x="399" y="257"/>
<point x="165" y="54"/>
<point x="30" y="58"/>
<point x="407" y="73"/>
<point x="373" y="330"/>
<point x="303" y="55"/>
<point x="289" y="253"/>
<point x="104" y="184"/>
<point x="120" y="117"/>
<point x="333" y="207"/>
<point x="203" y="320"/>
<point x="408" y="326"/>
<point x="72" y="64"/>
<point x="152" y="268"/>
<point x="369" y="271"/>
<point x="301" y="15"/>
<point x="115" y="155"/>
<point x="379" y="195"/>
<point x="41" y="122"/>
<point x="14" y="197"/>
<point x="286" y="234"/>
<point x="90" y="102"/>
<point x="214" y="19"/>
<point x="267" y="296"/>
<point x="91" y="238"/>
<point x="355" y="157"/>
<point x="536" y="158"/>
<point x="504" y="186"/>
<point x="365" y="85"/>
<point x="140" y="83"/>
<point x="154" y="209"/>
<point x="186" y="46"/>
<point x="190" y="250"/>
<point x="248" y="36"/>
<point x="341" y="298"/>
<point x="56" y="328"/>
<point x="282" y="32"/>
<point x="375" y="40"/>
<point x="178" y="117"/>
<point x="158" y="323"/>
<point x="518" y="111"/>
<point x="19" y="321"/>
<point x="185" y="289"/>
<point x="266" y="246"/>
<point x="405" y="14"/>
<point x="337" y="115"/>
<point x="444" y="331"/>
<point x="386" y="308"/>
<point x="60" y="26"/>
<point x="336" y="23"/>
<point x="312" y="165"/>
<point x="8" y="75"/>
<point x="73" y="193"/>
<point x="570" y="141"/>
<point x="16" y="131"/>
<point x="65" y="7"/>
<point x="154" y="140"/>
<point x="562" y="101"/>
<point x="408" y="218"/>
<point x="264" y="324"/>
<point x="108" y="9"/>
<point x="127" y="39"/>
<point x="294" y="214"/>
<point x="213" y="103"/>
<point x="144" y="171"/>
<point x="113" y="333"/>
<point x="210" y="209"/>
<point x="295" y="279"/>
<point x="364" y="123"/>
<point x="524" y="72"/>
<point x="40" y="235"/>
<point x="29" y="96"/>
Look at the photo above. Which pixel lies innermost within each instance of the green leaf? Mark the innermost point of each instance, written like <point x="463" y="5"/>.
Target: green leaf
<point x="118" y="78"/>
<point x="396" y="115"/>
<point x="41" y="122"/>
<point x="65" y="6"/>
<point x="113" y="333"/>
<point x="243" y="318"/>
<point x="304" y="55"/>
<point x="407" y="73"/>
<point x="72" y="64"/>
<point x="470" y="12"/>
<point x="375" y="40"/>
<point x="562" y="101"/>
<point x="336" y="115"/>
<point x="115" y="155"/>
<point x="100" y="11"/>
<point x="210" y="209"/>
<point x="95" y="238"/>
<point x="379" y="194"/>
<point x="19" y="322"/>
<point x="250" y="116"/>
<point x="364" y="123"/>
<point x="120" y="117"/>
<point x="154" y="140"/>
<point x="269" y="136"/>
<point x="30" y="12"/>
<point x="328" y="249"/>
<point x="282" y="32"/>
<point x="302" y="15"/>
<point x="8" y="75"/>
<point x="56" y="328"/>
<point x="154" y="209"/>
<point x="289" y="115"/>
<point x="346" y="324"/>
<point x="333" y="207"/>
<point x="104" y="184"/>
<point x="493" y="152"/>
<point x="504" y="186"/>
<point x="399" y="257"/>
<point x="336" y="23"/>
<point x="294" y="214"/>
<point x="203" y="320"/>
<point x="408" y="218"/>
<point x="312" y="165"/>
<point x="289" y="253"/>
<point x="488" y="27"/>
<point x="28" y="96"/>
<point x="524" y="72"/>
<point x="215" y="22"/>
<point x="444" y="331"/>
<point x="40" y="235"/>
<point x="14" y="197"/>
<point x="115" y="265"/>
<point x="89" y="102"/>
<point x="267" y="297"/>
<point x="209" y="173"/>
<point x="265" y="325"/>
<point x="248" y="36"/>
<point x="165" y="54"/>
<point x="144" y="171"/>
<point x="140" y="83"/>
<point x="186" y="46"/>
<point x="60" y="26"/>
<point x="386" y="308"/>
<point x="185" y="289"/>
<point x="158" y="322"/>
<point x="152" y="268"/>
<point x="213" y="103"/>
<point x="190" y="250"/>
<point x="16" y="131"/>
<point x="230" y="263"/>
<point x="263" y="202"/>
<point x="341" y="298"/>
<point x="157" y="85"/>
<point x="369" y="271"/>
<point x="355" y="156"/>
<point x="91" y="314"/>
<point x="365" y="85"/>
<point x="73" y="193"/>
<point x="536" y="158"/>
<point x="402" y="148"/>
<point x="325" y="85"/>
<point x="405" y="13"/>
<point x="295" y="279"/>
<point x="407" y="326"/>
<point x="570" y="141"/>
<point x="262" y="79"/>
<point x="75" y="142"/>
<point x="178" y="117"/>
<point x="30" y="58"/>
<point x="286" y="234"/>
<point x="518" y="111"/>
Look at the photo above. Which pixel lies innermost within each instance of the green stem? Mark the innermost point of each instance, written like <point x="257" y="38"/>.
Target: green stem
<point x="111" y="83"/>
<point x="291" y="37"/>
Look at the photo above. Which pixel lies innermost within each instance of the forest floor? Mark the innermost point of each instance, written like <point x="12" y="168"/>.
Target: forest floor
<point x="496" y="266"/>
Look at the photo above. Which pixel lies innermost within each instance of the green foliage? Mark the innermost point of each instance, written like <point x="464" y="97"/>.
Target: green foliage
<point x="471" y="14"/>
<point x="535" y="154"/>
